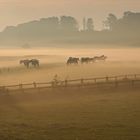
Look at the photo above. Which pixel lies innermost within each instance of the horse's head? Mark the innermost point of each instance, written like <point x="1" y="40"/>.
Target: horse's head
<point x="24" y="61"/>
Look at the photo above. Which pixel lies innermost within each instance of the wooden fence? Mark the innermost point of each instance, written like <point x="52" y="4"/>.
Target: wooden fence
<point x="115" y="81"/>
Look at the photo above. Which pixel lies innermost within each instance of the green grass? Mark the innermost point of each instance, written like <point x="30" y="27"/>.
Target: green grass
<point x="70" y="115"/>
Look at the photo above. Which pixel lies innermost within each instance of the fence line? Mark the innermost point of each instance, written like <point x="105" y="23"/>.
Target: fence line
<point x="131" y="79"/>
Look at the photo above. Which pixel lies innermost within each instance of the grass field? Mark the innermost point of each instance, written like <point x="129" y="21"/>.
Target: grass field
<point x="120" y="61"/>
<point x="74" y="114"/>
<point x="69" y="114"/>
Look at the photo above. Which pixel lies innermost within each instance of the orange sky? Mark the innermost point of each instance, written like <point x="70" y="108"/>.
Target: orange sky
<point x="13" y="12"/>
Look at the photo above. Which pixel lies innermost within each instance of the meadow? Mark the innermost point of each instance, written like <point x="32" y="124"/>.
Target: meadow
<point x="73" y="113"/>
<point x="120" y="61"/>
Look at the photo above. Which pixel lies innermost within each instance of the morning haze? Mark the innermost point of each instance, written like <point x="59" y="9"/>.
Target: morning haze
<point x="13" y="12"/>
<point x="69" y="70"/>
<point x="66" y="30"/>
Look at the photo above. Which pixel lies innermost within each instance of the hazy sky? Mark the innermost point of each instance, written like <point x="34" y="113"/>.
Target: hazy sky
<point x="13" y="12"/>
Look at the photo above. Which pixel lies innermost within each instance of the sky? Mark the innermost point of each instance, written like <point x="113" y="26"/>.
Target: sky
<point x="13" y="12"/>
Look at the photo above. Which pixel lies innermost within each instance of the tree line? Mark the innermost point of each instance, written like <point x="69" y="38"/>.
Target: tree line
<point x="65" y="29"/>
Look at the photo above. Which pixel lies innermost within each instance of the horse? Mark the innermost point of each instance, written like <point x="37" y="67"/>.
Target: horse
<point x="26" y="62"/>
<point x="72" y="60"/>
<point x="34" y="62"/>
<point x="100" y="58"/>
<point x="87" y="60"/>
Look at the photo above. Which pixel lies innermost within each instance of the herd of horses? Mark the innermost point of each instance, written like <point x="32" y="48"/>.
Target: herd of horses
<point x="86" y="60"/>
<point x="28" y="62"/>
<point x="71" y="60"/>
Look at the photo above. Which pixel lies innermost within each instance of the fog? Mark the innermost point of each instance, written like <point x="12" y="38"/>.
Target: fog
<point x="14" y="12"/>
<point x="43" y="43"/>
<point x="121" y="60"/>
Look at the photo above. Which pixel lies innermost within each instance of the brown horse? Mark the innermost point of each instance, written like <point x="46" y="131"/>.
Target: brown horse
<point x="27" y="62"/>
<point x="72" y="60"/>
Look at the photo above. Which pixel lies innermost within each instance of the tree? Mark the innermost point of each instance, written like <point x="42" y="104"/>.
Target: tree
<point x="84" y="24"/>
<point x="68" y="23"/>
<point x="110" y="22"/>
<point x="127" y="14"/>
<point x="90" y="26"/>
<point x="50" y="24"/>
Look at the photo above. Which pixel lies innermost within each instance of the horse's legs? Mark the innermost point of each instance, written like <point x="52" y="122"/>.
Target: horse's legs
<point x="27" y="65"/>
<point x="38" y="64"/>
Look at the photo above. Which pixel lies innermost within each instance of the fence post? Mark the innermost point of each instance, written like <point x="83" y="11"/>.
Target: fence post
<point x="21" y="87"/>
<point x="135" y="76"/>
<point x="107" y="79"/>
<point x="132" y="83"/>
<point x="116" y="78"/>
<point x="52" y="84"/>
<point x="82" y="81"/>
<point x="8" y="69"/>
<point x="34" y="84"/>
<point x="125" y="77"/>
<point x="95" y="80"/>
<point x="66" y="83"/>
<point x="116" y="81"/>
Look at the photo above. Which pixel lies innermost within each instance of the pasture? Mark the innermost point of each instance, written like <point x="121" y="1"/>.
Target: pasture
<point x="53" y="61"/>
<point x="72" y="113"/>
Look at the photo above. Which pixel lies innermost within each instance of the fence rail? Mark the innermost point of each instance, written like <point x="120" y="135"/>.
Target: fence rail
<point x="131" y="79"/>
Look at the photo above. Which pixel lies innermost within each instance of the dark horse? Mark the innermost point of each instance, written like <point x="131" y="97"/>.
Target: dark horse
<point x="100" y="58"/>
<point x="87" y="60"/>
<point x="72" y="60"/>
<point x="27" y="62"/>
<point x="34" y="62"/>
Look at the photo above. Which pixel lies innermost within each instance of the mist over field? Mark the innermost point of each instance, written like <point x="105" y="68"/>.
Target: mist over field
<point x="80" y="113"/>
<point x="69" y="70"/>
<point x="121" y="60"/>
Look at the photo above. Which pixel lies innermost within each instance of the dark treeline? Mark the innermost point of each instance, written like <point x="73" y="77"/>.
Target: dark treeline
<point x="124" y="30"/>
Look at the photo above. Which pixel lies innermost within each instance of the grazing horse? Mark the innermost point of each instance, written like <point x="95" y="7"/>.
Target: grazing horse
<point x="87" y="60"/>
<point x="26" y="62"/>
<point x="100" y="58"/>
<point x="34" y="62"/>
<point x="72" y="60"/>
